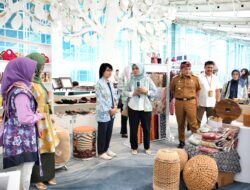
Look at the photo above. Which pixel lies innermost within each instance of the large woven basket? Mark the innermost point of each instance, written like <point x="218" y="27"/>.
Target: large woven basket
<point x="183" y="157"/>
<point x="166" y="170"/>
<point x="200" y="173"/>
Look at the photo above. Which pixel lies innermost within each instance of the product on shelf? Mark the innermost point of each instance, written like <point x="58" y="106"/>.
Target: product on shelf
<point x="46" y="58"/>
<point x="65" y="101"/>
<point x="70" y="112"/>
<point x="8" y="55"/>
<point x="92" y="100"/>
<point x="83" y="100"/>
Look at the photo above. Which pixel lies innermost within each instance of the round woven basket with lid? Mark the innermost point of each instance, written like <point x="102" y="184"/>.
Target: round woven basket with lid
<point x="166" y="170"/>
<point x="200" y="173"/>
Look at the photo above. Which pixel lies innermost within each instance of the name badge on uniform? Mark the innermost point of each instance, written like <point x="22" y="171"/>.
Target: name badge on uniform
<point x="210" y="93"/>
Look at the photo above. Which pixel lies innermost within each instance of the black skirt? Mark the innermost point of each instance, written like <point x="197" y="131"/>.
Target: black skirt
<point x="48" y="166"/>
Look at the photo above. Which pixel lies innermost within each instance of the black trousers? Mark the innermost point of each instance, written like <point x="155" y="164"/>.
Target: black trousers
<point x="135" y="117"/>
<point x="104" y="136"/>
<point x="124" y="121"/>
<point x="48" y="165"/>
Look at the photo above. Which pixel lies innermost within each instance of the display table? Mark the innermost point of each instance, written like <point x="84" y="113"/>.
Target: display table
<point x="244" y="152"/>
<point x="226" y="161"/>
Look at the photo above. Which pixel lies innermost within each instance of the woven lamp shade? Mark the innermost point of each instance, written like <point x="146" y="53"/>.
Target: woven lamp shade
<point x="183" y="157"/>
<point x="166" y="170"/>
<point x="200" y="173"/>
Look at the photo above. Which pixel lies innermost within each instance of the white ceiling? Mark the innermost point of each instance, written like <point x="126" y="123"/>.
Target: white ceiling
<point x="229" y="16"/>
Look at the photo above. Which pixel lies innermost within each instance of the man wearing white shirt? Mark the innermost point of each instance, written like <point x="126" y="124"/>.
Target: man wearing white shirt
<point x="210" y="91"/>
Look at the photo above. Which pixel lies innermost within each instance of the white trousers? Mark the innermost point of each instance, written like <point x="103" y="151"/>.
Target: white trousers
<point x="26" y="170"/>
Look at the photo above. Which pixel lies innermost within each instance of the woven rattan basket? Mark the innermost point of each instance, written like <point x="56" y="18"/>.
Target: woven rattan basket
<point x="246" y="119"/>
<point x="183" y="157"/>
<point x="166" y="170"/>
<point x="200" y="173"/>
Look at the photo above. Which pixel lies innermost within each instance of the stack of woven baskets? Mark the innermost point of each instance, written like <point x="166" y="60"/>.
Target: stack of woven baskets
<point x="199" y="173"/>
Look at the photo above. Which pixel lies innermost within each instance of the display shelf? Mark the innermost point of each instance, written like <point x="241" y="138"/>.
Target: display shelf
<point x="61" y="108"/>
<point x="73" y="93"/>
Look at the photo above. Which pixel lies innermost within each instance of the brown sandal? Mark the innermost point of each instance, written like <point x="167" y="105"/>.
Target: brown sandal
<point x="52" y="182"/>
<point x="40" y="186"/>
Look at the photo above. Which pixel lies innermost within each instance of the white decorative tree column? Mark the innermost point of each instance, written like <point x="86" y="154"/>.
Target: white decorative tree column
<point x="109" y="32"/>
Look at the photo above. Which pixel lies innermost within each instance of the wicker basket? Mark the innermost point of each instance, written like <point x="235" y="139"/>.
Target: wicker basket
<point x="166" y="170"/>
<point x="246" y="119"/>
<point x="200" y="173"/>
<point x="183" y="157"/>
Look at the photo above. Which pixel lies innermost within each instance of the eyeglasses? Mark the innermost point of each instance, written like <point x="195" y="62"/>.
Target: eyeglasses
<point x="135" y="68"/>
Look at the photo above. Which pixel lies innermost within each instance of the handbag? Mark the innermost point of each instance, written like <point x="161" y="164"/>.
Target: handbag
<point x="125" y="112"/>
<point x="8" y="55"/>
<point x="46" y="58"/>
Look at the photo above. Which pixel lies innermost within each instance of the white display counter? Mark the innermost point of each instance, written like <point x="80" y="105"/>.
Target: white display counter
<point x="244" y="152"/>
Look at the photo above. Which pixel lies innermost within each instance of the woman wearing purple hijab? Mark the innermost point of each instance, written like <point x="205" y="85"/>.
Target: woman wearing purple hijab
<point x="20" y="137"/>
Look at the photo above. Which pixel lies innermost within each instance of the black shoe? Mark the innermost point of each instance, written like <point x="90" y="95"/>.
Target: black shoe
<point x="124" y="136"/>
<point x="181" y="145"/>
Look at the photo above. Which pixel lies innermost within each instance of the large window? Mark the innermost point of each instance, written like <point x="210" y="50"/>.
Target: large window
<point x="199" y="47"/>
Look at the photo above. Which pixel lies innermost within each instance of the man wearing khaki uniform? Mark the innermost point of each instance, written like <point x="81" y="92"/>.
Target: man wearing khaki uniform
<point x="185" y="88"/>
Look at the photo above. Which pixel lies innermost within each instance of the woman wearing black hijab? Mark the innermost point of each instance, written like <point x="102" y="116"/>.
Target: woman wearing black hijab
<point x="235" y="88"/>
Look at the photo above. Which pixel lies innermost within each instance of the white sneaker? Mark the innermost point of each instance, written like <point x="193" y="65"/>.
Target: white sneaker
<point x="110" y="153"/>
<point x="104" y="156"/>
<point x="148" y="152"/>
<point x="134" y="152"/>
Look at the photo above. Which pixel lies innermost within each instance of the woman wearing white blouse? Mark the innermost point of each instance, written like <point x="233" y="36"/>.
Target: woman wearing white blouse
<point x="139" y="89"/>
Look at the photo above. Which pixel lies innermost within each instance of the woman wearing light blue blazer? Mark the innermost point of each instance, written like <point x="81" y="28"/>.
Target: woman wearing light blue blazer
<point x="105" y="111"/>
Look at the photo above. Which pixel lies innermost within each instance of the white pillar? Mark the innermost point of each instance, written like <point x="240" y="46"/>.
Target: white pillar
<point x="110" y="32"/>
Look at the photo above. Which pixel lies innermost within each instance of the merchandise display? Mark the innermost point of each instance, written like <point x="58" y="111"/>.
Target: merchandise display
<point x="166" y="170"/>
<point x="84" y="139"/>
<point x="200" y="173"/>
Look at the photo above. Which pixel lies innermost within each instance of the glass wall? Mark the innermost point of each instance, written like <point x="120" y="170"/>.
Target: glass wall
<point x="199" y="47"/>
